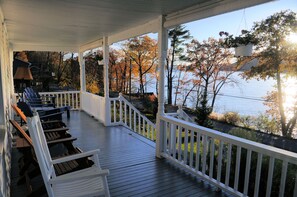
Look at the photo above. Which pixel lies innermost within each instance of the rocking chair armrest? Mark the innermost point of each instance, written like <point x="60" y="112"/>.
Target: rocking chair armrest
<point x="76" y="156"/>
<point x="76" y="176"/>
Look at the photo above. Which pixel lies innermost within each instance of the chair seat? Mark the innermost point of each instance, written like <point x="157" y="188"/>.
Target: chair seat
<point x="73" y="165"/>
<point x="81" y="187"/>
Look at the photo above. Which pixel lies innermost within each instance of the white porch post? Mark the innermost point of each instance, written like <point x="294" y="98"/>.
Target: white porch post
<point x="106" y="84"/>
<point x="82" y="72"/>
<point x="162" y="52"/>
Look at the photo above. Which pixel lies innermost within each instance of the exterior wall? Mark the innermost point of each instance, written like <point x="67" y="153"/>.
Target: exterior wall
<point x="6" y="97"/>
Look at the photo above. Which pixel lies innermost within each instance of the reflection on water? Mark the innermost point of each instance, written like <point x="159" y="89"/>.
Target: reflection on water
<point x="246" y="97"/>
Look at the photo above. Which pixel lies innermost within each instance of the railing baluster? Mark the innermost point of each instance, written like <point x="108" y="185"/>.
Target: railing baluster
<point x="228" y="166"/>
<point x="221" y="146"/>
<point x="211" y="157"/>
<point x="270" y="175"/>
<point x="114" y="111"/>
<point x="76" y="99"/>
<point x="139" y="124"/>
<point x="143" y="126"/>
<point x="134" y="117"/>
<point x="147" y="130"/>
<point x="130" y="118"/>
<point x="72" y="97"/>
<point x="186" y="146"/>
<point x="173" y="132"/>
<point x="237" y="168"/>
<point x="179" y="142"/>
<point x="258" y="174"/>
<point x="147" y="127"/>
<point x="69" y="99"/>
<point x="152" y="133"/>
<point x="121" y="111"/>
<point x="191" y="148"/>
<point x="167" y="137"/>
<point x="198" y="151"/>
<point x="61" y="100"/>
<point x="204" y="154"/>
<point x="283" y="178"/>
<point x="247" y="172"/>
<point x="125" y="111"/>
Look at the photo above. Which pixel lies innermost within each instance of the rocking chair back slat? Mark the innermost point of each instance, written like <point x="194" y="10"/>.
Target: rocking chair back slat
<point x="90" y="181"/>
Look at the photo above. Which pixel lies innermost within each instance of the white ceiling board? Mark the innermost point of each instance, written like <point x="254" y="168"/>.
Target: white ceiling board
<point x="73" y="23"/>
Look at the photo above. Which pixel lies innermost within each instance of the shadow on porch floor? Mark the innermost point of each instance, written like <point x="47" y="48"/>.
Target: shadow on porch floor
<point x="134" y="169"/>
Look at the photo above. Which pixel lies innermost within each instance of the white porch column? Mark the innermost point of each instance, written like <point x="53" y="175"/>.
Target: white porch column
<point x="162" y="52"/>
<point x="82" y="72"/>
<point x="106" y="84"/>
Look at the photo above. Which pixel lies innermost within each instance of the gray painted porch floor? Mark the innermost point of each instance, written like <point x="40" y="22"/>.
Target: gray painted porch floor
<point x="134" y="169"/>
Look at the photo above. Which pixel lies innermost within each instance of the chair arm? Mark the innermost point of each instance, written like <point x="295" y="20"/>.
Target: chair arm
<point x="76" y="156"/>
<point x="77" y="176"/>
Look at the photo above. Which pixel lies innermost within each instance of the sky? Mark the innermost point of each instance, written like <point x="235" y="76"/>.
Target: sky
<point x="234" y="22"/>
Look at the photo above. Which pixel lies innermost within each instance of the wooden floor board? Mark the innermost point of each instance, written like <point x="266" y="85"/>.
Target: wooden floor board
<point x="134" y="169"/>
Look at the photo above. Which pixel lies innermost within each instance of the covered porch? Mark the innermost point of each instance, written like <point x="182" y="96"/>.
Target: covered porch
<point x="134" y="169"/>
<point x="177" y="154"/>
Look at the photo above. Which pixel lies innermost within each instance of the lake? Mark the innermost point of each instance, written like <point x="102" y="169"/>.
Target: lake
<point x="246" y="97"/>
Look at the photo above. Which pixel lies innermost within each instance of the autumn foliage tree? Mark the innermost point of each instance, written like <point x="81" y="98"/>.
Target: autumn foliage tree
<point x="277" y="56"/>
<point x="210" y="65"/>
<point x="143" y="53"/>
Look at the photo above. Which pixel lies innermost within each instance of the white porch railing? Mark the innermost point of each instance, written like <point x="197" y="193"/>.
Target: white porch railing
<point x="236" y="165"/>
<point x="93" y="105"/>
<point x="181" y="114"/>
<point x="67" y="98"/>
<point x="124" y="113"/>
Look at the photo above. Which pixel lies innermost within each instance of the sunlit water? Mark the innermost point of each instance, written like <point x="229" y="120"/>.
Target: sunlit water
<point x="246" y="97"/>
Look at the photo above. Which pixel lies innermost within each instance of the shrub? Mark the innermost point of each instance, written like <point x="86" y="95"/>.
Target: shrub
<point x="231" y="117"/>
<point x="248" y="121"/>
<point x="266" y="124"/>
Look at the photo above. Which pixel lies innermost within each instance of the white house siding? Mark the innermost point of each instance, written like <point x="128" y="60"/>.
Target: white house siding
<point x="6" y="97"/>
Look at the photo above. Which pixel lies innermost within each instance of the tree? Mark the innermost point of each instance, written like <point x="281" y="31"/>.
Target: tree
<point x="177" y="36"/>
<point x="277" y="56"/>
<point x="143" y="52"/>
<point x="94" y="72"/>
<point x="210" y="64"/>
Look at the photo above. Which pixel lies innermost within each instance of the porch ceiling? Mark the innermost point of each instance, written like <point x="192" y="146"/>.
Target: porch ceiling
<point x="69" y="24"/>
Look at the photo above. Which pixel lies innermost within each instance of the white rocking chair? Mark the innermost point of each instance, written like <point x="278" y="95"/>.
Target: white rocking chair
<point x="87" y="182"/>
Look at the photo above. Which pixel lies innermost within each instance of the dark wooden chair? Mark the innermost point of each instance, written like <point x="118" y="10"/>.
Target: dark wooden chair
<point x="51" y="114"/>
<point x="25" y="145"/>
<point x="36" y="100"/>
<point x="50" y="124"/>
<point x="89" y="181"/>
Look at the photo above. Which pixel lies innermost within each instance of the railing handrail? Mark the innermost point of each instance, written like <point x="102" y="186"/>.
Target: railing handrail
<point x="101" y="97"/>
<point x="136" y="110"/>
<point x="241" y="142"/>
<point x="184" y="115"/>
<point x="75" y="91"/>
